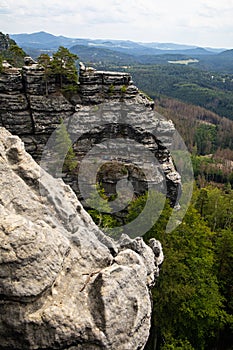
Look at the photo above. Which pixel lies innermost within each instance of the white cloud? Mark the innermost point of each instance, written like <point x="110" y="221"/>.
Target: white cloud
<point x="204" y="22"/>
<point x="4" y="8"/>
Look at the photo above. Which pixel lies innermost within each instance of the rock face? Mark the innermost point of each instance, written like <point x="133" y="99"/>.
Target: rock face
<point x="25" y="110"/>
<point x="144" y="137"/>
<point x="63" y="283"/>
<point x="4" y="41"/>
<point x="97" y="86"/>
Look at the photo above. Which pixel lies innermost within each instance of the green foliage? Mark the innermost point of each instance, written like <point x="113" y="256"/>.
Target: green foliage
<point x="189" y="118"/>
<point x="100" y="209"/>
<point x="213" y="91"/>
<point x="192" y="299"/>
<point x="123" y="89"/>
<point x="208" y="169"/>
<point x="63" y="146"/>
<point x="177" y="344"/>
<point x="158" y="205"/>
<point x="69" y="90"/>
<point x="187" y="302"/>
<point x="1" y="60"/>
<point x="11" y="52"/>
<point x="45" y="61"/>
<point x="205" y="137"/>
<point x="63" y="66"/>
<point x="111" y="89"/>
<point x="16" y="54"/>
<point x="224" y="263"/>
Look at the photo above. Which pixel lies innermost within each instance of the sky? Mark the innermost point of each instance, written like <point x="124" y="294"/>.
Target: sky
<point x="206" y="23"/>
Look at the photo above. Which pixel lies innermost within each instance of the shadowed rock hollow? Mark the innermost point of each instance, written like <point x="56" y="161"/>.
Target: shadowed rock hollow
<point x="63" y="283"/>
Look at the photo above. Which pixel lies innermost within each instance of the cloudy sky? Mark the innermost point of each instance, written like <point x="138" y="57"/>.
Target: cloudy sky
<point x="198" y="22"/>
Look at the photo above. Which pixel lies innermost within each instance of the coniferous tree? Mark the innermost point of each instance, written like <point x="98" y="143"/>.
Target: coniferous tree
<point x="45" y="61"/>
<point x="63" y="66"/>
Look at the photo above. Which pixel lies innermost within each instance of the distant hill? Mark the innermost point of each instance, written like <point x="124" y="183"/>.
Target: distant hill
<point x="227" y="53"/>
<point x="222" y="62"/>
<point x="43" y="40"/>
<point x="127" y="52"/>
<point x="102" y="56"/>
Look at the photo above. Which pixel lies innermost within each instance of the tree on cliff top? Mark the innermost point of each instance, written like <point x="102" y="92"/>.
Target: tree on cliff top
<point x="63" y="66"/>
<point x="45" y="61"/>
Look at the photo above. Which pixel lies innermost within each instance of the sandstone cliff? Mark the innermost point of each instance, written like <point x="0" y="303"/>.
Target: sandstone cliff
<point x="63" y="283"/>
<point x="26" y="111"/>
<point x="103" y="97"/>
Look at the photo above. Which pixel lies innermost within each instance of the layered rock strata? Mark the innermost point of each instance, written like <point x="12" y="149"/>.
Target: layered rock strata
<point x="97" y="86"/>
<point x="27" y="111"/>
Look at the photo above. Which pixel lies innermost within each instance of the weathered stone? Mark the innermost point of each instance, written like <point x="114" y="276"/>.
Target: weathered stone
<point x="63" y="283"/>
<point x="134" y="121"/>
<point x="47" y="112"/>
<point x="50" y="104"/>
<point x="11" y="81"/>
<point x="34" y="80"/>
<point x="97" y="86"/>
<point x="14" y="102"/>
<point x="26" y="110"/>
<point x="29" y="61"/>
<point x="17" y="122"/>
<point x="4" y="41"/>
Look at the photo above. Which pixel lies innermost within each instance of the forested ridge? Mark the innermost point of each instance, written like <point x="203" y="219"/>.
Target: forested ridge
<point x="208" y="89"/>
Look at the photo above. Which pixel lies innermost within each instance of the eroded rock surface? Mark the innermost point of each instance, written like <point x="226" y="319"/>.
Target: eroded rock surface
<point x="107" y="105"/>
<point x="63" y="283"/>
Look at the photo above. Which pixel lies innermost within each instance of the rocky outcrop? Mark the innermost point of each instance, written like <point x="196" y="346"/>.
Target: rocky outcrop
<point x="142" y="154"/>
<point x="104" y="98"/>
<point x="97" y="86"/>
<point x="28" y="110"/>
<point x="4" y="41"/>
<point x="63" y="283"/>
<point x="25" y="110"/>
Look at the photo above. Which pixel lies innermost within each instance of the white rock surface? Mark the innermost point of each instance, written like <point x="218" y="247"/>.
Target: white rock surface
<point x="63" y="283"/>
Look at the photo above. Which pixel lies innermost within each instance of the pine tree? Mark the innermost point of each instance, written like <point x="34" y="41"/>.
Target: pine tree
<point x="63" y="66"/>
<point x="45" y="61"/>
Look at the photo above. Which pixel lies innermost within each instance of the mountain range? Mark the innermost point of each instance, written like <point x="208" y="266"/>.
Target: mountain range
<point x="43" y="40"/>
<point x="126" y="52"/>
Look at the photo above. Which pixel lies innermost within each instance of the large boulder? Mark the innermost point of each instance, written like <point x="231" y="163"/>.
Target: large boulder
<point x="63" y="283"/>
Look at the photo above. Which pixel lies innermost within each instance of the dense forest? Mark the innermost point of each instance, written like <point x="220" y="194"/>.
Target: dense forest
<point x="192" y="298"/>
<point x="208" y="137"/>
<point x="211" y="90"/>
